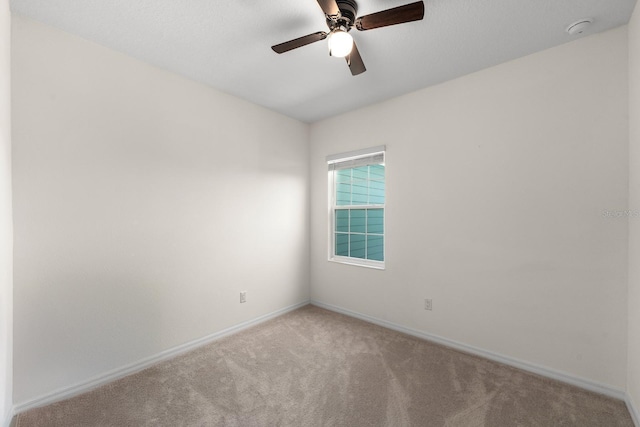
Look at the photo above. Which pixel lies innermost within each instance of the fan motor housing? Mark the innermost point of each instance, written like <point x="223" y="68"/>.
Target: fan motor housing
<point x="348" y="9"/>
<point x="348" y="13"/>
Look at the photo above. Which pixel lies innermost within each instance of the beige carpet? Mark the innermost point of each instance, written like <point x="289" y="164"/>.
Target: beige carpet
<point x="312" y="367"/>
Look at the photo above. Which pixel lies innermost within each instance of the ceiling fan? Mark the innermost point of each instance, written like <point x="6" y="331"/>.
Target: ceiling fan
<point x="341" y="17"/>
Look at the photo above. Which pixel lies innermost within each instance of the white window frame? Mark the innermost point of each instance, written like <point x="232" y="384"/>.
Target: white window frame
<point x="355" y="157"/>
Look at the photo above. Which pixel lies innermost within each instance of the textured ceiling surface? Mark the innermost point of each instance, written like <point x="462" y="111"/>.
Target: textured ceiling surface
<point x="226" y="44"/>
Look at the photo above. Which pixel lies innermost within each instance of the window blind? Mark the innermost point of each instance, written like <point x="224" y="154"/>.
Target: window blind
<point x="354" y="159"/>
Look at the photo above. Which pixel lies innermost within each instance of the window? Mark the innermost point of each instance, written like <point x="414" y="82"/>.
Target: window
<point x="356" y="207"/>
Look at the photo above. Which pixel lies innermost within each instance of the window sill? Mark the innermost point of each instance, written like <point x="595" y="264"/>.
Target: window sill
<point x="376" y="265"/>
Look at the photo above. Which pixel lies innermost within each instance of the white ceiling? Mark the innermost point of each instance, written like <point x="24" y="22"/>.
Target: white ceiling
<point x="226" y="44"/>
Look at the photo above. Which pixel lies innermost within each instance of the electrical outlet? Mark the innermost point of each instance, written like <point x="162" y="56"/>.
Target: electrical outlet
<point x="428" y="304"/>
<point x="243" y="296"/>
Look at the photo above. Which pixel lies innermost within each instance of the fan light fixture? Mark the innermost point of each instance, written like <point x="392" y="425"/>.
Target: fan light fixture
<point x="340" y="43"/>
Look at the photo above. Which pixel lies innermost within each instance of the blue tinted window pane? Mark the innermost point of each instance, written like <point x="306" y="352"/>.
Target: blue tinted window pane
<point x="376" y="184"/>
<point x="375" y="248"/>
<point x="357" y="245"/>
<point x="376" y="192"/>
<point x="360" y="186"/>
<point x="375" y="221"/>
<point x="361" y="173"/>
<point x="360" y="193"/>
<point x="342" y="220"/>
<point x="358" y="221"/>
<point x="343" y="175"/>
<point x="376" y="199"/>
<point x="342" y="244"/>
<point x="376" y="172"/>
<point x="343" y="194"/>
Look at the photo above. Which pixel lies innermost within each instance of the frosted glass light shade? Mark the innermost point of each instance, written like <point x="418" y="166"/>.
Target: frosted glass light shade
<point x="340" y="43"/>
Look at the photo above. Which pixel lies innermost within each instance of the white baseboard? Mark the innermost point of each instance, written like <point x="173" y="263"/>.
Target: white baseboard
<point x="633" y="411"/>
<point x="102" y="379"/>
<point x="526" y="366"/>
<point x="9" y="421"/>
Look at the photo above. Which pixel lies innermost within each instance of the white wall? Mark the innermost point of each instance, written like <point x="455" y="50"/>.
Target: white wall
<point x="144" y="203"/>
<point x="497" y="184"/>
<point x="633" y="358"/>
<point x="6" y="227"/>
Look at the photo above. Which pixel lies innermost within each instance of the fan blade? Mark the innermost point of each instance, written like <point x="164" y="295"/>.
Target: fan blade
<point x="299" y="42"/>
<point x="397" y="15"/>
<point x="354" y="60"/>
<point x="329" y="7"/>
